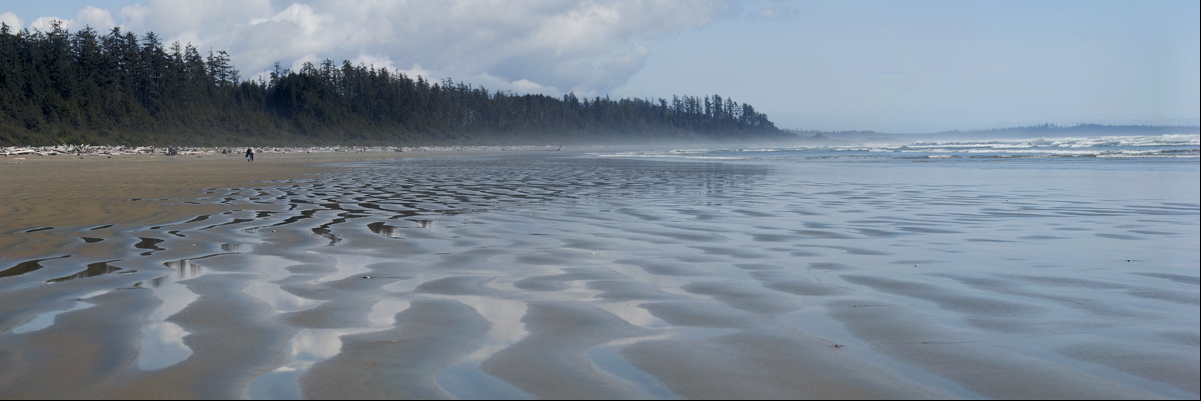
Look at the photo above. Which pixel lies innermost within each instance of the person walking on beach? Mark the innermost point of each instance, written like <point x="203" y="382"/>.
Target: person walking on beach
<point x="249" y="154"/>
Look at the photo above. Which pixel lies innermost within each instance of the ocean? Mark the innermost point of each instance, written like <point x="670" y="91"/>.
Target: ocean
<point x="1183" y="146"/>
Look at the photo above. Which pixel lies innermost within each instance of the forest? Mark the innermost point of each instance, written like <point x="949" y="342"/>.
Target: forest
<point x="116" y="88"/>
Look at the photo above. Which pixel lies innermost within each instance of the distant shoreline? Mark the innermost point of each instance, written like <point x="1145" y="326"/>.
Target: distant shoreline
<point x="394" y="151"/>
<point x="1036" y="131"/>
<point x="801" y="137"/>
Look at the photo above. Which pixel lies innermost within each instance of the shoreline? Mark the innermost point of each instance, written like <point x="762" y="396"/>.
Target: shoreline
<point x="90" y="150"/>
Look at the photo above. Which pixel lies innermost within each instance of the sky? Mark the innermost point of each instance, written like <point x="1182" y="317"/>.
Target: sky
<point x="888" y="66"/>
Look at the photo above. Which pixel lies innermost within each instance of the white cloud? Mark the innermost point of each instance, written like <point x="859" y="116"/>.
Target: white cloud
<point x="14" y="24"/>
<point x="211" y="17"/>
<point x="774" y="13"/>
<point x="520" y="87"/>
<point x="416" y="71"/>
<point x="618" y="70"/>
<point x="376" y="61"/>
<point x="135" y="14"/>
<point x="546" y="46"/>
<point x="99" y="19"/>
<point x="45" y="24"/>
<point x="299" y="14"/>
<point x="185" y="38"/>
<point x="261" y="76"/>
<point x="308" y="58"/>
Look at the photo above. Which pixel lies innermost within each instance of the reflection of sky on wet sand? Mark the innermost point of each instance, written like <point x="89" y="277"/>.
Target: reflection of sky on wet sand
<point x="633" y="314"/>
<point x="311" y="346"/>
<point x="383" y="313"/>
<point x="161" y="344"/>
<point x="93" y="270"/>
<point x="507" y="327"/>
<point x="409" y="285"/>
<point x="1016" y="257"/>
<point x="314" y="345"/>
<point x="464" y="379"/>
<point x="274" y="267"/>
<point x="281" y="301"/>
<point x="305" y="349"/>
<point x="350" y="266"/>
<point x="44" y="320"/>
<point x="606" y="359"/>
<point x="676" y="225"/>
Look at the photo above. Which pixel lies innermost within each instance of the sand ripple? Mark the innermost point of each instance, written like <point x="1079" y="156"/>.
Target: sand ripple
<point x="582" y="277"/>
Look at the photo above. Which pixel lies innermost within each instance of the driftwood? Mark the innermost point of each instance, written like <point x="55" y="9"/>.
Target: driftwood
<point x="98" y="150"/>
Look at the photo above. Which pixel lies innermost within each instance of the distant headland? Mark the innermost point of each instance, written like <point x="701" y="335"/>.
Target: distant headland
<point x="1032" y="131"/>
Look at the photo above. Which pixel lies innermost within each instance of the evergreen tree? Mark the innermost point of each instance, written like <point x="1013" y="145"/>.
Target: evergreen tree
<point x="84" y="87"/>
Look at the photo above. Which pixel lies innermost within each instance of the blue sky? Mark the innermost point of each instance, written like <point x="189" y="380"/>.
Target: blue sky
<point x="891" y="66"/>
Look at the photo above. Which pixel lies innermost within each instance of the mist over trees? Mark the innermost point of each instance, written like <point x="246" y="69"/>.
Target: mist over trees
<point x="113" y="87"/>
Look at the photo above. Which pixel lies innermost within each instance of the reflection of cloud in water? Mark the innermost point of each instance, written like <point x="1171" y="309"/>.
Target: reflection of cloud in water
<point x="607" y="359"/>
<point x="632" y="313"/>
<point x="315" y="345"/>
<point x="383" y="313"/>
<point x="161" y="344"/>
<point x="411" y="284"/>
<point x="311" y="346"/>
<point x="274" y="267"/>
<point x="464" y="379"/>
<point x="350" y="266"/>
<point x="45" y="320"/>
<point x="280" y="300"/>
<point x="308" y="347"/>
<point x="507" y="328"/>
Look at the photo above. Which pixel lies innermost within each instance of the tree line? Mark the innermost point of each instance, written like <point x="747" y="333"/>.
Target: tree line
<point x="116" y="88"/>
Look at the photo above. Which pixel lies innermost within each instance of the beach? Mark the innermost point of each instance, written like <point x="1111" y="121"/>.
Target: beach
<point x="596" y="274"/>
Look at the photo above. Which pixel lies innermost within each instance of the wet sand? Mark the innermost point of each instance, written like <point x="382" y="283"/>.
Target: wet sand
<point x="541" y="276"/>
<point x="79" y="191"/>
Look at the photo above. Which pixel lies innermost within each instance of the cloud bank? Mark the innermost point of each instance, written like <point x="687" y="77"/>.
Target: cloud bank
<point x="542" y="46"/>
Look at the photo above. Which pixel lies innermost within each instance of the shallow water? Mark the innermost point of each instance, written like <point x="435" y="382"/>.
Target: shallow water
<point x="937" y="273"/>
